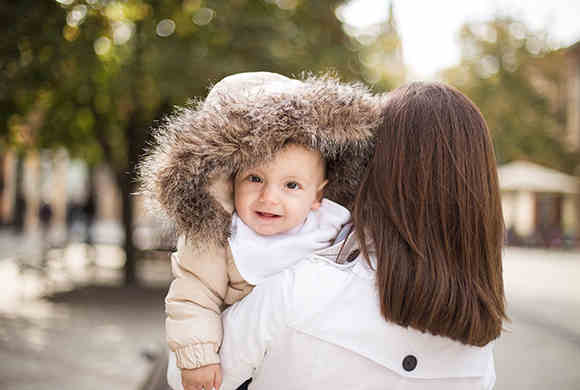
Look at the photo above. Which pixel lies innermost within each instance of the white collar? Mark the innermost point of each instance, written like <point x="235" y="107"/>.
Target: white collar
<point x="258" y="257"/>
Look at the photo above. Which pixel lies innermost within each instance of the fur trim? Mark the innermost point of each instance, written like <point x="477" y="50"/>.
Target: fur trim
<point x="187" y="174"/>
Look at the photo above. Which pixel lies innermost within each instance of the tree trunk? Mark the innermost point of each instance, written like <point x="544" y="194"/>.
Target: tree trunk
<point x="20" y="199"/>
<point x="3" y="216"/>
<point x="133" y="146"/>
<point x="130" y="269"/>
<point x="135" y="140"/>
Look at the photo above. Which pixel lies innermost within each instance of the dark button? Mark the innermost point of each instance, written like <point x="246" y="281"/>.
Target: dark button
<point x="353" y="255"/>
<point x="409" y="363"/>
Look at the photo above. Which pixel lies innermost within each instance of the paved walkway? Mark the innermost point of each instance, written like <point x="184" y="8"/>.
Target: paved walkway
<point x="541" y="349"/>
<point x="88" y="332"/>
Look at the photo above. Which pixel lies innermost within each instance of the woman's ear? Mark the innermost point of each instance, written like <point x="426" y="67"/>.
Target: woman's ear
<point x="319" y="194"/>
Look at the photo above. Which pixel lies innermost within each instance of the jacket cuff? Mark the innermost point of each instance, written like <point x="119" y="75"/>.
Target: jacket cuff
<point x="197" y="355"/>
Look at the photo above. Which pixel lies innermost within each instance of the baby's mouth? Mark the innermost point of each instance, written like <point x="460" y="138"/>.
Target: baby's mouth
<point x="264" y="214"/>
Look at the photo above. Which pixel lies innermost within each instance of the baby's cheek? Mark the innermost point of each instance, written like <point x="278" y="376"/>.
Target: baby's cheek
<point x="302" y="210"/>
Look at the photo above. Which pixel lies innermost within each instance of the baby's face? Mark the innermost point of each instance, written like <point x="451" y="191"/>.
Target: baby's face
<point x="276" y="196"/>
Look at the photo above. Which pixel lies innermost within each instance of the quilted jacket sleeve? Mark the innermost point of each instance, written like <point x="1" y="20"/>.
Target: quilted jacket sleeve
<point x="194" y="304"/>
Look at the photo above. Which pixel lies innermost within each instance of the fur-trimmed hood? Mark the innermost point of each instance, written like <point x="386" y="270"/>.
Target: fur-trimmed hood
<point x="187" y="174"/>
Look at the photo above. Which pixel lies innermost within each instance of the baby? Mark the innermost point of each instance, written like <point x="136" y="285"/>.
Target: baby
<point x="243" y="177"/>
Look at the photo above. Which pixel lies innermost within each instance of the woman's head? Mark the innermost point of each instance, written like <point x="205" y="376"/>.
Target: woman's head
<point x="429" y="203"/>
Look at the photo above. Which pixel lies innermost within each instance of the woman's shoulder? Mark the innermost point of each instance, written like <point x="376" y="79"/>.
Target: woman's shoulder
<point x="323" y="270"/>
<point x="332" y="269"/>
<point x="327" y="299"/>
<point x="316" y="281"/>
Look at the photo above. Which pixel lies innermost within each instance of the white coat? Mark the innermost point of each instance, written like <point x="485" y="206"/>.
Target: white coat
<point x="318" y="326"/>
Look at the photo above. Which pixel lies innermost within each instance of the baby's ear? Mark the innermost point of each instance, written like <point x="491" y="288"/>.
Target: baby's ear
<point x="319" y="194"/>
<point x="222" y="189"/>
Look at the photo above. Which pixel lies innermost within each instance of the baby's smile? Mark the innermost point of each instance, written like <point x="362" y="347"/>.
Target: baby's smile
<point x="266" y="215"/>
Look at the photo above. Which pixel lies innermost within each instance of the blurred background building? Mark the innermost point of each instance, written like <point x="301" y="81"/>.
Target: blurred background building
<point x="541" y="205"/>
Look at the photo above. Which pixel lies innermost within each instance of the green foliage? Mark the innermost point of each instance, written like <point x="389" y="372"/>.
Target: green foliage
<point x="515" y="78"/>
<point x="94" y="75"/>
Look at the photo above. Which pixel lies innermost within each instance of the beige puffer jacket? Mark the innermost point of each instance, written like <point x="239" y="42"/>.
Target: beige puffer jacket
<point x="187" y="179"/>
<point x="206" y="281"/>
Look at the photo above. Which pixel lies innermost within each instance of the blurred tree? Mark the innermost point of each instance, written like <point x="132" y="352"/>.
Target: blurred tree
<point x="382" y="56"/>
<point x="379" y="48"/>
<point x="94" y="75"/>
<point x="515" y="77"/>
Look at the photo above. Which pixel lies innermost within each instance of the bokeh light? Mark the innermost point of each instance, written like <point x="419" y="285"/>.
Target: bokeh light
<point x="165" y="28"/>
<point x="488" y="66"/>
<point x="115" y="11"/>
<point x="203" y="16"/>
<point x="102" y="46"/>
<point x="122" y="32"/>
<point x="76" y="15"/>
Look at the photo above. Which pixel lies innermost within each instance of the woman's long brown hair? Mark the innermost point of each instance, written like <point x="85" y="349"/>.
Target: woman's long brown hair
<point x="429" y="210"/>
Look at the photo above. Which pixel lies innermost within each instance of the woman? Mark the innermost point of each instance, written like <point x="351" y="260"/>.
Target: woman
<point x="414" y="298"/>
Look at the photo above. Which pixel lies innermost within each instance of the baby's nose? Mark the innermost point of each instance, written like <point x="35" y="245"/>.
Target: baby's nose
<point x="269" y="195"/>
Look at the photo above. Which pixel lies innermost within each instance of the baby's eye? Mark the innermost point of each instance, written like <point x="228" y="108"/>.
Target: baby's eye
<point x="292" y="185"/>
<point x="254" y="179"/>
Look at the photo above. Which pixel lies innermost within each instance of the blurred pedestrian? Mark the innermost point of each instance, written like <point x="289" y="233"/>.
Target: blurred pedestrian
<point x="89" y="214"/>
<point x="45" y="218"/>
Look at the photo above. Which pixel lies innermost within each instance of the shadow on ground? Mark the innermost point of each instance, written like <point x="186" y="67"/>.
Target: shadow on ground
<point x="91" y="337"/>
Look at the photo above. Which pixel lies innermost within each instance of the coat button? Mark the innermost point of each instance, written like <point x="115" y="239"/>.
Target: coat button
<point x="409" y="363"/>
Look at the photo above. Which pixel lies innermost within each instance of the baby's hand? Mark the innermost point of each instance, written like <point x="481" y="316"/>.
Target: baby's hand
<point x="203" y="378"/>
